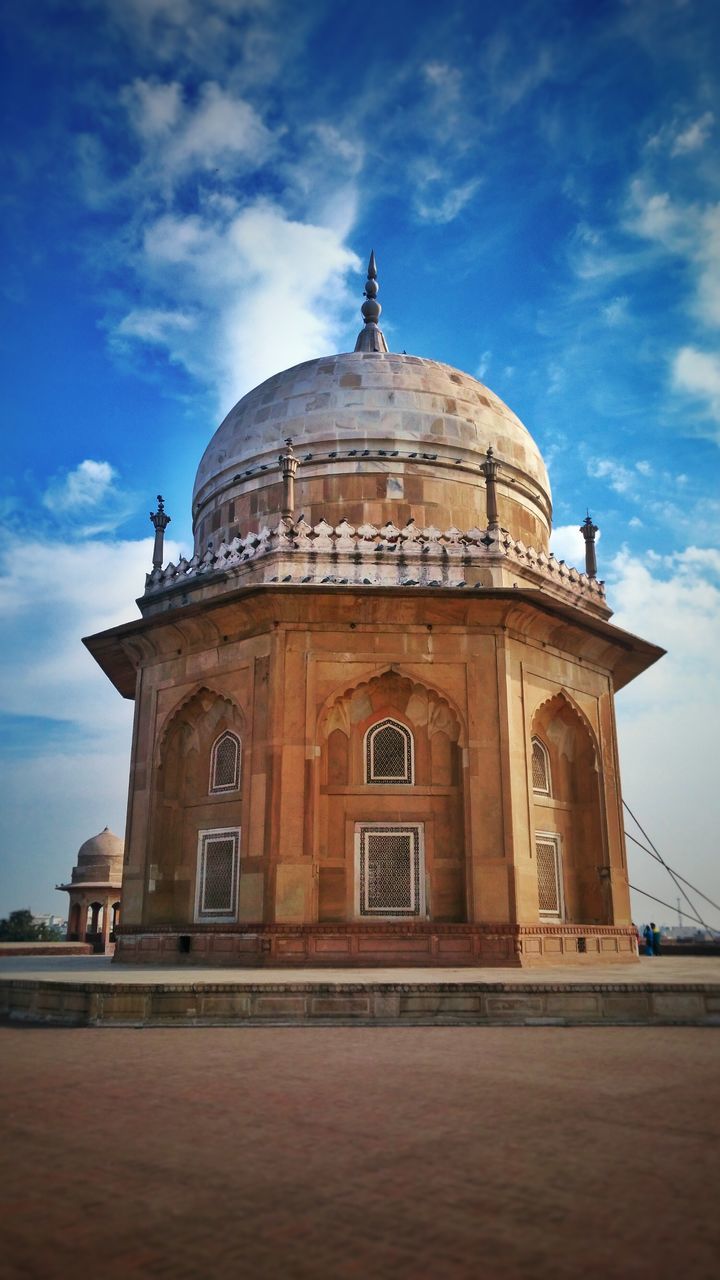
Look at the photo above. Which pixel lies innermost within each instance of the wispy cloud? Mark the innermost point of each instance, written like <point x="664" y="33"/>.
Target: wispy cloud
<point x="697" y="373"/>
<point x="694" y="135"/>
<point x="674" y="599"/>
<point x="247" y="303"/>
<point x="89" y="497"/>
<point x="217" y="129"/>
<point x="680" y="137"/>
<point x="437" y="204"/>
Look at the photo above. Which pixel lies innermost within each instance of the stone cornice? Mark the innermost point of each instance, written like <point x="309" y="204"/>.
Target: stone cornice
<point x="247" y="607"/>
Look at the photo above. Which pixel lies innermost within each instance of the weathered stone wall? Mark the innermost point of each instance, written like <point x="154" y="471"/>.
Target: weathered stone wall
<point x="300" y="680"/>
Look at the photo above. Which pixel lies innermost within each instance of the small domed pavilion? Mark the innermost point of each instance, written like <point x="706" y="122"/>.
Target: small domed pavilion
<point x="95" y="887"/>
<point x="374" y="715"/>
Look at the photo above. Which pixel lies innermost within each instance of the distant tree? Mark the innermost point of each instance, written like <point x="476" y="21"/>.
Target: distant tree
<point x="19" y="926"/>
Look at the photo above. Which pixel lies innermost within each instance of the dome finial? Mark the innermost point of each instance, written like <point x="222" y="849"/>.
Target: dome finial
<point x="370" y="338"/>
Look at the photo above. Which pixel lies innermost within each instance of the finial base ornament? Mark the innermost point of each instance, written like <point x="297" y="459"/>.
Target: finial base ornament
<point x="288" y="464"/>
<point x="490" y="468"/>
<point x="160" y="521"/>
<point x="589" y="531"/>
<point x="371" y="338"/>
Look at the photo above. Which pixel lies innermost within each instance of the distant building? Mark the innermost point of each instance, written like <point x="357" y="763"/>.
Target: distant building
<point x="374" y="716"/>
<point x="50" y="921"/>
<point x="95" y="891"/>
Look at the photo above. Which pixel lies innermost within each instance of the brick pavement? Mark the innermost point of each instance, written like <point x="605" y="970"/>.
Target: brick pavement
<point x="310" y="1153"/>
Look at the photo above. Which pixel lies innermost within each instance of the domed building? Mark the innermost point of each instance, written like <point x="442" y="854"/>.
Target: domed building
<point x="374" y="716"/>
<point x="95" y="887"/>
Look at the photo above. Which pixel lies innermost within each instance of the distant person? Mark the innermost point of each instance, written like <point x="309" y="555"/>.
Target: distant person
<point x="656" y="939"/>
<point x="648" y="936"/>
<point x="638" y="938"/>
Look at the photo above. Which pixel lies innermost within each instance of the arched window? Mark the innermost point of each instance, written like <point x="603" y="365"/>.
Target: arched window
<point x="225" y="764"/>
<point x="389" y="753"/>
<point x="540" y="768"/>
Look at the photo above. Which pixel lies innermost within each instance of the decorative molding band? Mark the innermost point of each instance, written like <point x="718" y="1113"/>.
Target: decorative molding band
<point x="371" y="556"/>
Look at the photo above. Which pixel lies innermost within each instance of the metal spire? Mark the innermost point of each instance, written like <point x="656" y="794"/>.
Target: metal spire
<point x="370" y="338"/>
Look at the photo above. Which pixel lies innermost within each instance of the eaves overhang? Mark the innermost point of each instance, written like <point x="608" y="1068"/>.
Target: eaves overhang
<point x="122" y="650"/>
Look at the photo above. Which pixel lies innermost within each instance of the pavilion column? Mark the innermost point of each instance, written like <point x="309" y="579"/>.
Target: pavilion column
<point x="94" y="916"/>
<point x="106" y="923"/>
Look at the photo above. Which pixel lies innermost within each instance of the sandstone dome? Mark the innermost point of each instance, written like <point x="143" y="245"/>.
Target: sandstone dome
<point x="379" y="437"/>
<point x="100" y="860"/>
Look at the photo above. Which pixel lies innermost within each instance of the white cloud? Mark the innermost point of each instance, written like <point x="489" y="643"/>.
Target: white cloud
<point x="654" y="215"/>
<point x="86" y="486"/>
<point x="52" y="594"/>
<point x="568" y="544"/>
<point x="694" y="135"/>
<point x="689" y="231"/>
<point x="443" y="205"/>
<point x="615" y="312"/>
<point x="60" y="592"/>
<point x="445" y="82"/>
<point x="245" y="301"/>
<point x="697" y="373"/>
<point x="619" y="477"/>
<point x="153" y="108"/>
<point x="154" y="325"/>
<point x="219" y="129"/>
<point x="667" y="736"/>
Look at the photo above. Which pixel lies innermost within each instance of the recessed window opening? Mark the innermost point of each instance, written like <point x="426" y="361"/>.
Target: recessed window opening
<point x="225" y="764"/>
<point x="389" y="753"/>
<point x="217" y="875"/>
<point x="540" y="768"/>
<point x="547" y="851"/>
<point x="390" y="876"/>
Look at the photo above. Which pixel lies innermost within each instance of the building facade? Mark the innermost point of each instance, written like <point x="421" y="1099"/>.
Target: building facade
<point x="374" y="716"/>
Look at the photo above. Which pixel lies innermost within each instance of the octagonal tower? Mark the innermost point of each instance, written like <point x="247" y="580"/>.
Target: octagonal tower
<point x="374" y="714"/>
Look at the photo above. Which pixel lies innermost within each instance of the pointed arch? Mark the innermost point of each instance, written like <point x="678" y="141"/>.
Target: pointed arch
<point x="443" y="714"/>
<point x="195" y="703"/>
<point x="569" y="841"/>
<point x="549" y="708"/>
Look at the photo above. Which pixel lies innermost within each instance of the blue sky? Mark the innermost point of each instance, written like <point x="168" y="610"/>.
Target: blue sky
<point x="194" y="189"/>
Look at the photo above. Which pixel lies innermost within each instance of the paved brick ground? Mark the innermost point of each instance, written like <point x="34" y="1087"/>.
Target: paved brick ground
<point x="340" y="1153"/>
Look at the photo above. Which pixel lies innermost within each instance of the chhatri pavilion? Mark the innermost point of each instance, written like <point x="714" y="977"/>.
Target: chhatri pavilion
<point x="374" y="715"/>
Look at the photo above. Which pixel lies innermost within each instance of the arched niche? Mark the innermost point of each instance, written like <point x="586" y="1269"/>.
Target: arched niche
<point x="430" y="795"/>
<point x="568" y="814"/>
<point x="185" y="803"/>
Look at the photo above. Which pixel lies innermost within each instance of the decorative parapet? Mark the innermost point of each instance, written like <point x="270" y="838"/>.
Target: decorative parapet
<point x="343" y="555"/>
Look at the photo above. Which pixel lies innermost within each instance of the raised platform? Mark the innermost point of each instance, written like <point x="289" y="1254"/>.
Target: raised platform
<point x="423" y="944"/>
<point x="90" y="991"/>
<point x="45" y="949"/>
